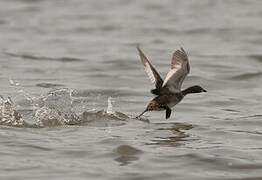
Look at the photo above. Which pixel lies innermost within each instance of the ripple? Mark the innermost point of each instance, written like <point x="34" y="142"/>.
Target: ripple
<point x="252" y="116"/>
<point x="120" y="64"/>
<point x="43" y="58"/>
<point x="231" y="110"/>
<point x="36" y="147"/>
<point x="48" y="85"/>
<point x="2" y="21"/>
<point x="104" y="92"/>
<point x="247" y="76"/>
<point x="197" y="31"/>
<point x="256" y="57"/>
<point x="248" y="132"/>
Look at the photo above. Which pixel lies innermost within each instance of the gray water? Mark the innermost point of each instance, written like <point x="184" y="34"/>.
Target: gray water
<point x="61" y="61"/>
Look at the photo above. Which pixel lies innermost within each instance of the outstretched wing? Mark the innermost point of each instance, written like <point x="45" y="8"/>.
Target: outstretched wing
<point x="179" y="70"/>
<point x="150" y="70"/>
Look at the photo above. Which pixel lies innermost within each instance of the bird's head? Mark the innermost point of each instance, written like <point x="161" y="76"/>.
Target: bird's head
<point x="198" y="89"/>
<point x="194" y="89"/>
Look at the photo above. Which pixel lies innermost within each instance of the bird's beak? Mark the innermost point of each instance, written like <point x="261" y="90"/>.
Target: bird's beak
<point x="204" y="90"/>
<point x="141" y="113"/>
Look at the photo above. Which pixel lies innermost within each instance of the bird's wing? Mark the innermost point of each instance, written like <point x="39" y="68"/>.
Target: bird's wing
<point x="179" y="70"/>
<point x="150" y="70"/>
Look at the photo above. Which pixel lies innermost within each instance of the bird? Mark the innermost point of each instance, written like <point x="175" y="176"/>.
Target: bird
<point x="168" y="91"/>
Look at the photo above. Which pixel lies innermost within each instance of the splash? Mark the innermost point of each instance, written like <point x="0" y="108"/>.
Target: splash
<point x="47" y="116"/>
<point x="9" y="116"/>
<point x="33" y="100"/>
<point x="110" y="113"/>
<point x="109" y="106"/>
<point x="60" y="99"/>
<point x="56" y="108"/>
<point x="53" y="109"/>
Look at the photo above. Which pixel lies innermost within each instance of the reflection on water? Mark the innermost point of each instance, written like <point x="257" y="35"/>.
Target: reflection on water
<point x="127" y="154"/>
<point x="178" y="138"/>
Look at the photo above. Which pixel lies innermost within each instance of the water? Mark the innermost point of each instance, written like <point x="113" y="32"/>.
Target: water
<point x="71" y="83"/>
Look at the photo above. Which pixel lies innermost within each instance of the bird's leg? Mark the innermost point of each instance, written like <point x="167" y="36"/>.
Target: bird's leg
<point x="168" y="112"/>
<point x="141" y="113"/>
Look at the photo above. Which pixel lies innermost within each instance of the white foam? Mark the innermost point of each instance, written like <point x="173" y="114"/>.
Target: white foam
<point x="109" y="106"/>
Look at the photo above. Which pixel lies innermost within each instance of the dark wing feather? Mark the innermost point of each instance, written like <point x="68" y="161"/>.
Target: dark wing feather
<point x="150" y="70"/>
<point x="179" y="70"/>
